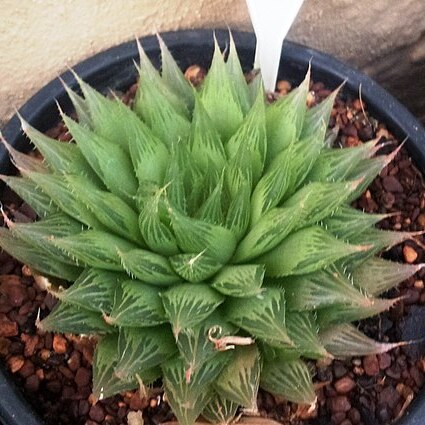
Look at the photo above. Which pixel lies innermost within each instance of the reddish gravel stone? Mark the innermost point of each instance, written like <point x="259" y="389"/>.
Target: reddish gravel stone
<point x="7" y="327"/>
<point x="15" y="363"/>
<point x="27" y="369"/>
<point x="344" y="385"/>
<point x="389" y="397"/>
<point x="391" y="184"/>
<point x="371" y="365"/>
<point x="74" y="361"/>
<point x="82" y="377"/>
<point x="30" y="342"/>
<point x="32" y="383"/>
<point x="97" y="413"/>
<point x="339" y="404"/>
<point x="384" y="361"/>
<point x="13" y="290"/>
<point x="60" y="344"/>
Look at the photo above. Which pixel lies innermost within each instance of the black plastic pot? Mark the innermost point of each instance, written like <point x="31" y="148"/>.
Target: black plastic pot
<point x="115" y="69"/>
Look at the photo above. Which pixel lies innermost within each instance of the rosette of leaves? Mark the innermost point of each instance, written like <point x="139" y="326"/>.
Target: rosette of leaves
<point x="205" y="237"/>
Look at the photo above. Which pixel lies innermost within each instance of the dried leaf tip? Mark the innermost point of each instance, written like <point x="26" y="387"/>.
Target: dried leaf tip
<point x="227" y="342"/>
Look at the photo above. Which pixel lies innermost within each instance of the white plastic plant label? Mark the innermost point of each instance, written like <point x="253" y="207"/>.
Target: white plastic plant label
<point x="271" y="20"/>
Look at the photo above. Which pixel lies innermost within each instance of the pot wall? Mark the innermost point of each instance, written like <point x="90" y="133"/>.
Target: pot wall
<point x="39" y="38"/>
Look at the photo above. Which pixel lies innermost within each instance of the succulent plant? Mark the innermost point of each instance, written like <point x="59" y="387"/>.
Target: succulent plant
<point x="206" y="237"/>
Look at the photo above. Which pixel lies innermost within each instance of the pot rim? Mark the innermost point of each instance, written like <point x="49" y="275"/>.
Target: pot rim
<point x="116" y="64"/>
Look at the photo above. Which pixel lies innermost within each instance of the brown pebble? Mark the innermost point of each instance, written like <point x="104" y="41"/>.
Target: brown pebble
<point x="391" y="184"/>
<point x="137" y="402"/>
<point x="384" y="360"/>
<point x="389" y="397"/>
<point x="15" y="363"/>
<point x="421" y="220"/>
<point x="354" y="415"/>
<point x="32" y="384"/>
<point x="371" y="365"/>
<point x="27" y="369"/>
<point x="83" y="407"/>
<point x="344" y="385"/>
<point x="54" y="386"/>
<point x="82" y="377"/>
<point x="97" y="413"/>
<point x="195" y="74"/>
<point x="346" y="422"/>
<point x="12" y="288"/>
<point x="74" y="361"/>
<point x="339" y="404"/>
<point x="30" y="342"/>
<point x="7" y="327"/>
<point x="4" y="346"/>
<point x="60" y="344"/>
<point x="409" y="253"/>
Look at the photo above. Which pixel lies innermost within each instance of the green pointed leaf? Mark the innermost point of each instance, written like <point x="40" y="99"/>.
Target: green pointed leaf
<point x="41" y="234"/>
<point x="105" y="382"/>
<point x="141" y="349"/>
<point x="368" y="169"/>
<point x="336" y="164"/>
<point x="306" y="251"/>
<point x="240" y="281"/>
<point x="318" y="117"/>
<point x="61" y="157"/>
<point x="270" y="230"/>
<point x="104" y="156"/>
<point x="150" y="77"/>
<point x="263" y="316"/>
<point x="148" y="267"/>
<point x="58" y="191"/>
<point x="35" y="258"/>
<point x="320" y="289"/>
<point x="251" y="137"/>
<point x="348" y="222"/>
<point x="219" y="99"/>
<point x="285" y="118"/>
<point x="173" y="77"/>
<point x="136" y="305"/>
<point x="303" y="331"/>
<point x="197" y="345"/>
<point x="238" y="214"/>
<point x="93" y="290"/>
<point x="317" y="200"/>
<point x="272" y="187"/>
<point x="205" y="143"/>
<point x="289" y="379"/>
<point x="377" y="275"/>
<point x="195" y="267"/>
<point x="164" y="112"/>
<point x="197" y="236"/>
<point x="156" y="233"/>
<point x="23" y="161"/>
<point x="220" y="410"/>
<point x="187" y="305"/>
<point x="237" y="77"/>
<point x="109" y="209"/>
<point x="103" y="115"/>
<point x="80" y="106"/>
<point x="67" y="318"/>
<point x="341" y="313"/>
<point x="94" y="248"/>
<point x="303" y="156"/>
<point x="149" y="154"/>
<point x="240" y="379"/>
<point x="346" y="340"/>
<point x="28" y="190"/>
<point x="188" y="398"/>
<point x="211" y="210"/>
